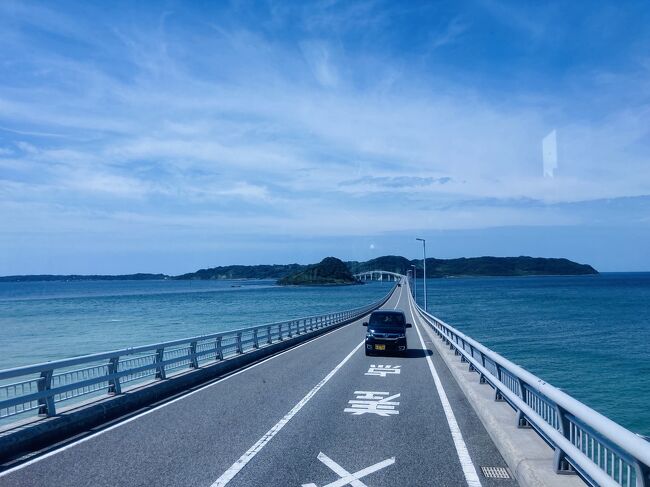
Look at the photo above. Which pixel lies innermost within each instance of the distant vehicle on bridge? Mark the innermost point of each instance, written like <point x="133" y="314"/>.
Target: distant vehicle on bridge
<point x="386" y="332"/>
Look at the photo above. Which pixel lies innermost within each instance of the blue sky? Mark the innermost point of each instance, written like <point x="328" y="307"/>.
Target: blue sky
<point x="169" y="136"/>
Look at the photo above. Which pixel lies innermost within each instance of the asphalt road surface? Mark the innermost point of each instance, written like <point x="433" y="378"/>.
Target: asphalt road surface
<point x="322" y="414"/>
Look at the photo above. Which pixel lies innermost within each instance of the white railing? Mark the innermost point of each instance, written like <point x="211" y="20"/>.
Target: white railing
<point x="42" y="388"/>
<point x="601" y="451"/>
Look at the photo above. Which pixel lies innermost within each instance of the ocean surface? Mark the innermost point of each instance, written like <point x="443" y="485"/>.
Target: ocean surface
<point x="41" y="321"/>
<point x="588" y="335"/>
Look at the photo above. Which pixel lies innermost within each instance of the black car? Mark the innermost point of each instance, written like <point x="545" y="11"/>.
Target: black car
<point x="386" y="332"/>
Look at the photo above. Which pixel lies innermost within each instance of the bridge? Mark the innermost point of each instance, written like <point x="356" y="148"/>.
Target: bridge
<point x="378" y="275"/>
<point x="299" y="403"/>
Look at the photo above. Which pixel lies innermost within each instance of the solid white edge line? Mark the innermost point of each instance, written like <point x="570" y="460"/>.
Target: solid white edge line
<point x="149" y="411"/>
<point x="469" y="470"/>
<point x="236" y="467"/>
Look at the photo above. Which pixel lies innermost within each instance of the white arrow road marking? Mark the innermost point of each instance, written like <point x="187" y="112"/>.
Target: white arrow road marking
<point x="348" y="478"/>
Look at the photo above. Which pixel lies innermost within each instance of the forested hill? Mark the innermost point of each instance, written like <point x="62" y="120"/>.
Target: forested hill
<point x="274" y="271"/>
<point x="330" y="271"/>
<point x="475" y="266"/>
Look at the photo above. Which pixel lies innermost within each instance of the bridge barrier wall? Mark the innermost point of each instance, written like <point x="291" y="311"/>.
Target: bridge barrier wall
<point x="55" y="400"/>
<point x="584" y="441"/>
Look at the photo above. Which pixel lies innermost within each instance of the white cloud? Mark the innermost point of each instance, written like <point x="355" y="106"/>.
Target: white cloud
<point x="246" y="133"/>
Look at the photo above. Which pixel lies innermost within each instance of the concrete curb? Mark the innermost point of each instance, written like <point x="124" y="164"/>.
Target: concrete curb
<point x="48" y="431"/>
<point x="529" y="458"/>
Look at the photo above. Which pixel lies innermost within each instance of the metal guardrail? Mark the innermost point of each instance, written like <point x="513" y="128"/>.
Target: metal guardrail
<point x="40" y="389"/>
<point x="601" y="451"/>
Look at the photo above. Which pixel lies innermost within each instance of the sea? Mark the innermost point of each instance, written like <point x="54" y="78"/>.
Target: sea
<point x="588" y="335"/>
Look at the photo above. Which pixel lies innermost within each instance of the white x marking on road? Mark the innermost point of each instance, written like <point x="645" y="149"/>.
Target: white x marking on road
<point x="348" y="478"/>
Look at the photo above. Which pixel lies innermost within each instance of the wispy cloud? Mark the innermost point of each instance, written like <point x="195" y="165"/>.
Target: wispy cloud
<point x="274" y="124"/>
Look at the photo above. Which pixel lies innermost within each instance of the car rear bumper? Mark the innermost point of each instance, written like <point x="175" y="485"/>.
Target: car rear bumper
<point x="390" y="346"/>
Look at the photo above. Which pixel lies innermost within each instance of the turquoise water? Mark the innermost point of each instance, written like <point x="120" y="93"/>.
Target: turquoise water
<point x="43" y="321"/>
<point x="588" y="335"/>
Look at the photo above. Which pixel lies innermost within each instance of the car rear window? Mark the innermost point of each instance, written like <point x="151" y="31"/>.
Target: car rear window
<point x="387" y="319"/>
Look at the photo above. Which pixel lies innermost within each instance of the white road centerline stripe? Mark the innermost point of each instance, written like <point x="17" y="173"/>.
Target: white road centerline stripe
<point x="469" y="470"/>
<point x="399" y="298"/>
<point x="236" y="467"/>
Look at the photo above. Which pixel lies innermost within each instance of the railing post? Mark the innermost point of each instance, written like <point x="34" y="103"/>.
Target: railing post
<point x="497" y="392"/>
<point x="522" y="422"/>
<point x="239" y="344"/>
<point x="219" y="349"/>
<point x="194" y="363"/>
<point x="290" y="335"/>
<point x="560" y="463"/>
<point x="269" y="338"/>
<point x="160" y="369"/>
<point x="471" y="367"/>
<point x="642" y="475"/>
<point x="482" y="379"/>
<point x="280" y="331"/>
<point x="114" y="386"/>
<point x="256" y="343"/>
<point x="46" y="405"/>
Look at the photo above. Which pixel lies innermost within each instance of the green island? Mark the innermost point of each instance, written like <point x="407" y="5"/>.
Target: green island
<point x="330" y="271"/>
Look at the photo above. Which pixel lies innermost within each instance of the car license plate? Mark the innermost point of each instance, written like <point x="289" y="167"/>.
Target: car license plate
<point x="380" y="347"/>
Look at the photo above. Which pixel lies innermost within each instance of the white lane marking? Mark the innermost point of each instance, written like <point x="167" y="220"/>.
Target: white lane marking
<point x="370" y="402"/>
<point x="384" y="370"/>
<point x="348" y="478"/>
<point x="399" y="298"/>
<point x="469" y="470"/>
<point x="149" y="411"/>
<point x="236" y="467"/>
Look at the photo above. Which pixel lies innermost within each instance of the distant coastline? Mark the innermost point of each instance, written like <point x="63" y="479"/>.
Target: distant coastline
<point x="79" y="277"/>
<point x="436" y="268"/>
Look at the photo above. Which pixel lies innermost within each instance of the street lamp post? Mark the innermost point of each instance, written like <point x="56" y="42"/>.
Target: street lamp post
<point x="424" y="252"/>
<point x="415" y="282"/>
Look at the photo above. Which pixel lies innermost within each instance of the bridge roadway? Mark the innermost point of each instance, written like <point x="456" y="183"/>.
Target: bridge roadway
<point x="287" y="421"/>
